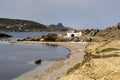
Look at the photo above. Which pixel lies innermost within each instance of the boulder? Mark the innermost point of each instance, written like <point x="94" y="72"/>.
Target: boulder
<point x="49" y="37"/>
<point x="118" y="26"/>
<point x="87" y="39"/>
<point x="93" y="32"/>
<point x="76" y="39"/>
<point x="38" y="61"/>
<point x="111" y="28"/>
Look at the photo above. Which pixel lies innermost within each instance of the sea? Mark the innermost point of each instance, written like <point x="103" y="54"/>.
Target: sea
<point x="16" y="59"/>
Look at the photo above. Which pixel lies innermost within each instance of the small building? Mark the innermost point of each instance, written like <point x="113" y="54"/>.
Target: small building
<point x="71" y="35"/>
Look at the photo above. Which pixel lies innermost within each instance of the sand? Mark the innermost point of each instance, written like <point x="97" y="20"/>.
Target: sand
<point x="33" y="73"/>
<point x="60" y="67"/>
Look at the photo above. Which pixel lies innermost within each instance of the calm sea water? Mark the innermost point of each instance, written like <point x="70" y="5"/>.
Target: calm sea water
<point x="21" y="35"/>
<point x="16" y="59"/>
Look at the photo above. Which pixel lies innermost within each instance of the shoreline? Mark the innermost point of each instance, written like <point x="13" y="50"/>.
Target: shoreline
<point x="37" y="70"/>
<point x="58" y="68"/>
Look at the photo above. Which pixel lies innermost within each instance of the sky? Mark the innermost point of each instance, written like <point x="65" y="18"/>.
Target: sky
<point x="78" y="14"/>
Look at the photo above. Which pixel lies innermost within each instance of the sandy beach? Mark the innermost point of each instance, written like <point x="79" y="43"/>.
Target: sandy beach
<point x="60" y="67"/>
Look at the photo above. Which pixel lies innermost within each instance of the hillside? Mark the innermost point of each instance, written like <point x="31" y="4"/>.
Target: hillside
<point x="102" y="56"/>
<point x="101" y="62"/>
<point x="15" y="25"/>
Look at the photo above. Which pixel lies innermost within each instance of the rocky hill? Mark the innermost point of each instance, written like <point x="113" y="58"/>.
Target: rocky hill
<point x="15" y="25"/>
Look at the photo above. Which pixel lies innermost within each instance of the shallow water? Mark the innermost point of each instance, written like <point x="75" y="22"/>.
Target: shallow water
<point x="16" y="59"/>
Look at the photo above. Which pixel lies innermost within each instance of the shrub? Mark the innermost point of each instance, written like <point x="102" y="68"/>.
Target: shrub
<point x="108" y="50"/>
<point x="74" y="68"/>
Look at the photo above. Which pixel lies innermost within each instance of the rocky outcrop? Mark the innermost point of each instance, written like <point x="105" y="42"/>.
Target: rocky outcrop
<point x="4" y="35"/>
<point x="51" y="37"/>
<point x="116" y="27"/>
<point x="108" y="34"/>
<point x="93" y="32"/>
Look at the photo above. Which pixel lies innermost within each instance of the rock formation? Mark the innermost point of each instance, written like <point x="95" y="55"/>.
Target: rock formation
<point x="4" y="35"/>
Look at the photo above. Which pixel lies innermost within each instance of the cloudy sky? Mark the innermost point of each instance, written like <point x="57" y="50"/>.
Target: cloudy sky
<point x="78" y="14"/>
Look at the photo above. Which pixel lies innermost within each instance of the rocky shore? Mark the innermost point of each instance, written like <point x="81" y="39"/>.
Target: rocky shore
<point x="60" y="67"/>
<point x="97" y="60"/>
<point x="100" y="61"/>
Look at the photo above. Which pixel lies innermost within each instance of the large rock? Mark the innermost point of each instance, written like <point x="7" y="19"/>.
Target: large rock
<point x="118" y="26"/>
<point x="38" y="61"/>
<point x="50" y="37"/>
<point x="2" y="35"/>
<point x="93" y="32"/>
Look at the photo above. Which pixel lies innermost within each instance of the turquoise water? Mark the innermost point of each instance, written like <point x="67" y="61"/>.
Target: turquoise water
<point x="16" y="59"/>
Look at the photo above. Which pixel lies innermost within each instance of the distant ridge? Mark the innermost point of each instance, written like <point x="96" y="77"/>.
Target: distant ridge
<point x="58" y="27"/>
<point x="18" y="25"/>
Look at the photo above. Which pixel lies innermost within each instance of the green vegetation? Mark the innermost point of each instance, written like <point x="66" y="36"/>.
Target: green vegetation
<point x="58" y="78"/>
<point x="110" y="55"/>
<point x="108" y="50"/>
<point x="89" y="56"/>
<point x="74" y="68"/>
